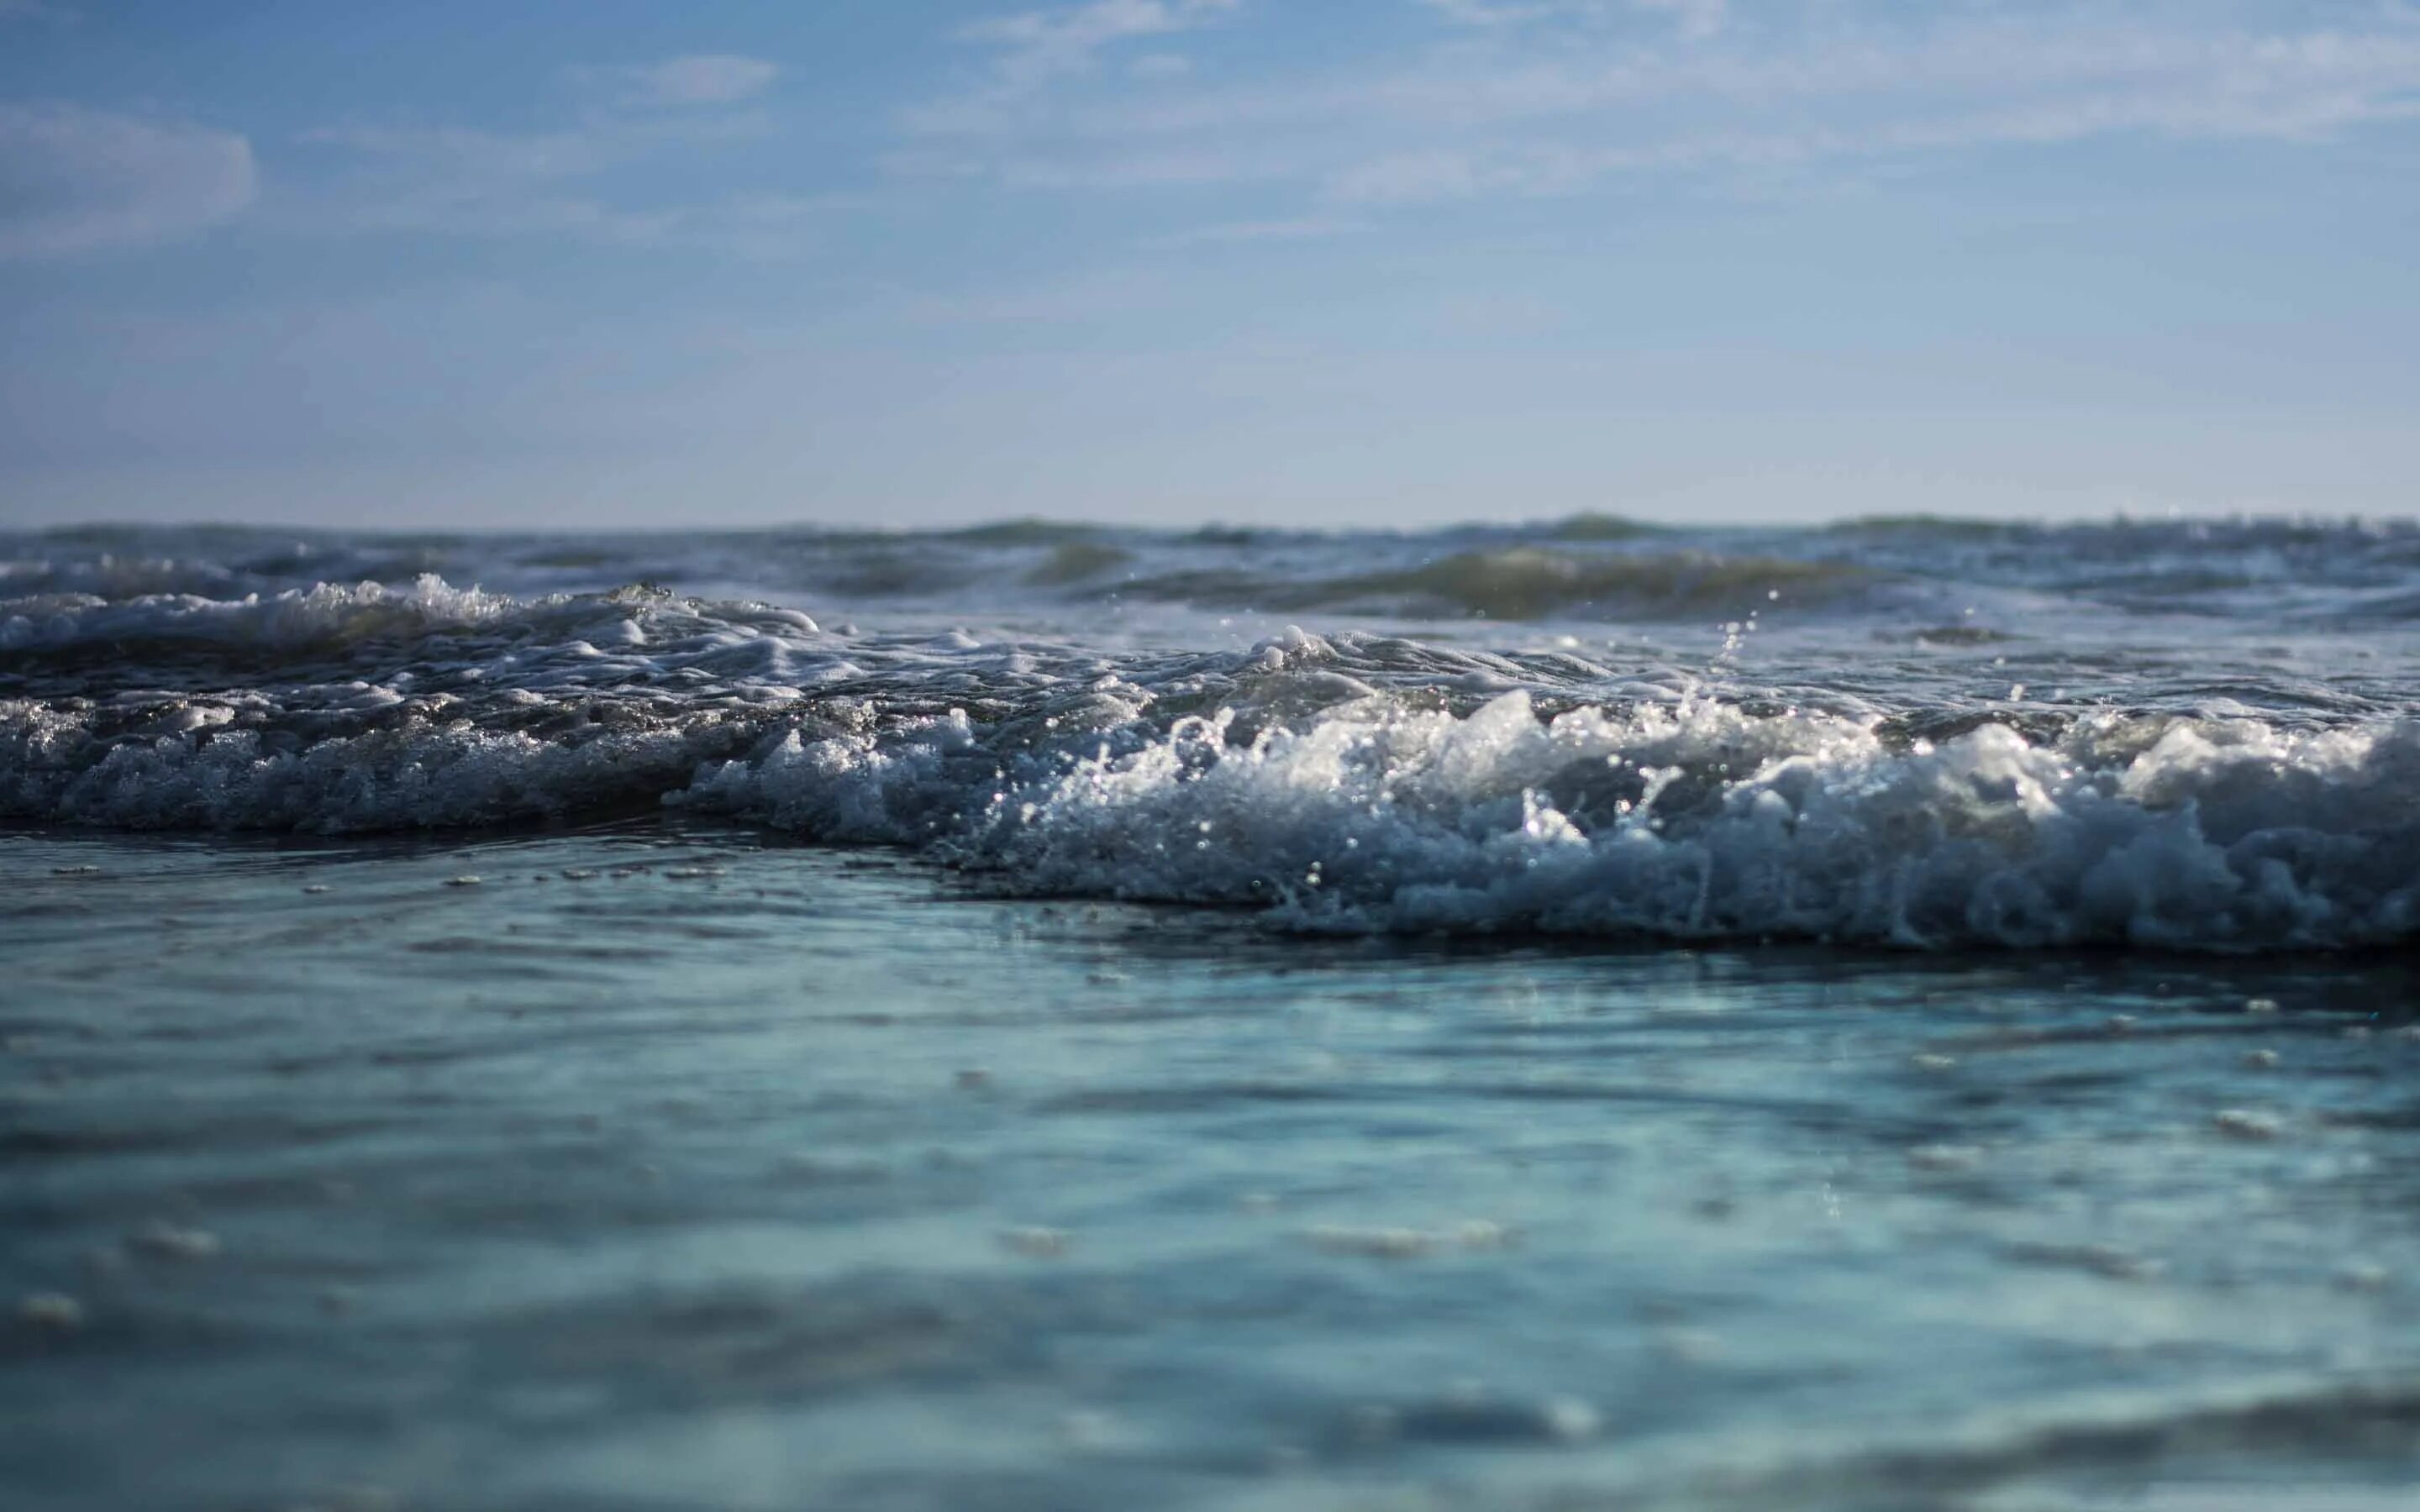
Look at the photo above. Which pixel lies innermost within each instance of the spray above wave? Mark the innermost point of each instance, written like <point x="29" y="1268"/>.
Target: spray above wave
<point x="1351" y="781"/>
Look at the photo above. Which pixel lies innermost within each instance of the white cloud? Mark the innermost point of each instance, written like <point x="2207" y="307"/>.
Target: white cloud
<point x="74" y="180"/>
<point x="456" y="181"/>
<point x="1692" y="18"/>
<point x="1230" y="232"/>
<point x="1487" y="12"/>
<point x="573" y="181"/>
<point x="1038" y="45"/>
<point x="1175" y="166"/>
<point x="700" y="79"/>
<point x="1561" y="102"/>
<point x="469" y="157"/>
<point x="1034" y="49"/>
<point x="1557" y="131"/>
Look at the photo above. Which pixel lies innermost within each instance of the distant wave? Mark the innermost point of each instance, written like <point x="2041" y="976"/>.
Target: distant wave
<point x="1586" y="569"/>
<point x="1528" y="583"/>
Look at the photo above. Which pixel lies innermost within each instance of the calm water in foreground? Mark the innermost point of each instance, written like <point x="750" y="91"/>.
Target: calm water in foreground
<point x="678" y="1167"/>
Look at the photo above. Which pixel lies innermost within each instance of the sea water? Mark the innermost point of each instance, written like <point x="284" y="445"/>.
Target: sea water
<point x="1910" y="1014"/>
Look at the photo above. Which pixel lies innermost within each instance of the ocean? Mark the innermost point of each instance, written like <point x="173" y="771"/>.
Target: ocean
<point x="1906" y="1014"/>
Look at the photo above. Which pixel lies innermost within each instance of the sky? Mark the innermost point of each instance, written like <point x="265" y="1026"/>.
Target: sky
<point x="557" y="263"/>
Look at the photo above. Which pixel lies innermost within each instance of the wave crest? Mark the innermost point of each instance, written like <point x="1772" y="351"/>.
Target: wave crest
<point x="1353" y="781"/>
<point x="1535" y="584"/>
<point x="1702" y="822"/>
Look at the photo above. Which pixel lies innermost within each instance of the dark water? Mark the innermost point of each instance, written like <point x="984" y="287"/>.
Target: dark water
<point x="1908" y="1016"/>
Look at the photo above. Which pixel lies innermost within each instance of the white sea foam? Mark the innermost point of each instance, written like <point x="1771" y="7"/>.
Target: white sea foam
<point x="293" y="618"/>
<point x="1346" y="781"/>
<point x="1695" y="822"/>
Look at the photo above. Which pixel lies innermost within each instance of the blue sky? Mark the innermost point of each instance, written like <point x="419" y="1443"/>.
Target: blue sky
<point x="1160" y="261"/>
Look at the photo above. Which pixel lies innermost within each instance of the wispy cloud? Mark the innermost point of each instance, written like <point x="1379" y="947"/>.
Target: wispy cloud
<point x="1555" y="130"/>
<point x="1230" y="232"/>
<point x="1693" y="18"/>
<point x="83" y="180"/>
<point x="572" y="181"/>
<point x="1039" y="44"/>
<point x="450" y="181"/>
<point x="470" y="158"/>
<point x="1550" y="99"/>
<point x="1075" y="300"/>
<point x="698" y="79"/>
<point x="1486" y="12"/>
<point x="1032" y="48"/>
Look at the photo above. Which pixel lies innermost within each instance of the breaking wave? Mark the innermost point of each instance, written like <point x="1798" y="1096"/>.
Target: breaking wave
<point x="1350" y="782"/>
<point x="1696" y="821"/>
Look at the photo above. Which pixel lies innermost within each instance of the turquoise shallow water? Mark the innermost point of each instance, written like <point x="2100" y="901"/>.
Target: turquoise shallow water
<point x="679" y="1165"/>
